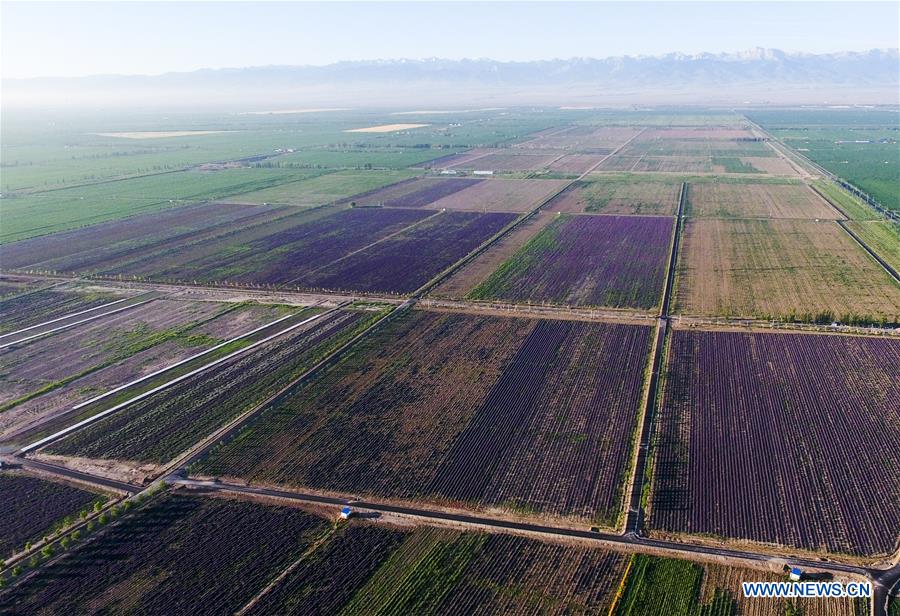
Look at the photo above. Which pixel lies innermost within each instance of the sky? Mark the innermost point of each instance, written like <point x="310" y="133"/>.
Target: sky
<point x="73" y="39"/>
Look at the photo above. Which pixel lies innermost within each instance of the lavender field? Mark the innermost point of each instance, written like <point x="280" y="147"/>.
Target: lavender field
<point x="781" y="438"/>
<point x="406" y="261"/>
<point x="31" y="506"/>
<point x="417" y="192"/>
<point x="615" y="261"/>
<point x="462" y="410"/>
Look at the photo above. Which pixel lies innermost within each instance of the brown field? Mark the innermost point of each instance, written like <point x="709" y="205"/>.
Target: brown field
<point x="619" y="163"/>
<point x="508" y="160"/>
<point x="664" y="164"/>
<point x="580" y="138"/>
<point x="773" y="165"/>
<point x="756" y="201"/>
<point x="575" y="163"/>
<point x="619" y="195"/>
<point x="385" y="128"/>
<point x="498" y="195"/>
<point x="461" y="159"/>
<point x="696" y="133"/>
<point x="462" y="282"/>
<point x="780" y="269"/>
<point x="677" y="164"/>
<point x="86" y="360"/>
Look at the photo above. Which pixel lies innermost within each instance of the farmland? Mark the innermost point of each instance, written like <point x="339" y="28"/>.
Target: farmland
<point x="406" y="261"/>
<point x="41" y="213"/>
<point x="418" y="193"/>
<point x="322" y="189"/>
<point x="103" y="354"/>
<point x="507" y="195"/>
<point x="596" y="139"/>
<point x="276" y="248"/>
<point x="858" y="145"/>
<point x="427" y="406"/>
<point x="360" y="249"/>
<point x="478" y="269"/>
<point x="193" y="553"/>
<point x="743" y="410"/>
<point x="510" y="195"/>
<point x="47" y="304"/>
<point x="881" y="236"/>
<point x="756" y="201"/>
<point x="655" y="585"/>
<point x="161" y="426"/>
<point x="434" y="571"/>
<point x="624" y="194"/>
<point x="783" y="269"/>
<point x="698" y="150"/>
<point x="616" y="261"/>
<point x="32" y="507"/>
<point x="500" y="160"/>
<point x="479" y="365"/>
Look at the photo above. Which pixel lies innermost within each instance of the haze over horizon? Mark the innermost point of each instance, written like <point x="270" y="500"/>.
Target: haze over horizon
<point x="114" y="39"/>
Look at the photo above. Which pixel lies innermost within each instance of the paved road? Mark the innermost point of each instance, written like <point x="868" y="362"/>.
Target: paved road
<point x="475" y="520"/>
<point x="68" y="473"/>
<point x="882" y="580"/>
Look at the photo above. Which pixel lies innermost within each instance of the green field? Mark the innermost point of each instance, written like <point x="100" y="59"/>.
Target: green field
<point x="859" y="145"/>
<point x="325" y="188"/>
<point x="853" y="207"/>
<point x="361" y="158"/>
<point x="47" y="212"/>
<point x="881" y="236"/>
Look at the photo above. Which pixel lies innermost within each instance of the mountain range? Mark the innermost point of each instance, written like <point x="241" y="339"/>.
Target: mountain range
<point x="756" y="76"/>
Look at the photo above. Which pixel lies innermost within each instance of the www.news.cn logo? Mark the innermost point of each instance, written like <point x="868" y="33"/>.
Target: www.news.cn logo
<point x="790" y="590"/>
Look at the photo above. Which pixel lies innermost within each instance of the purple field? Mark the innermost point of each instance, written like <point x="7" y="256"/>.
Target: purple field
<point x="31" y="506"/>
<point x="272" y="246"/>
<point x="781" y="438"/>
<point x="405" y="262"/>
<point x="462" y="410"/>
<point x="418" y="192"/>
<point x="110" y="244"/>
<point x="616" y="261"/>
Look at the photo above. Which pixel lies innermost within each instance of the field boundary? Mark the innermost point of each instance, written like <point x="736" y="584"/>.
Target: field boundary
<point x="449" y="271"/>
<point x="229" y="430"/>
<point x="887" y="267"/>
<point x="89" y="420"/>
<point x="149" y="297"/>
<point x="634" y="505"/>
<point x="790" y="152"/>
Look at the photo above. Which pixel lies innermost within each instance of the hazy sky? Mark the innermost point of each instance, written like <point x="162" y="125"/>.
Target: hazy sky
<point x="77" y="38"/>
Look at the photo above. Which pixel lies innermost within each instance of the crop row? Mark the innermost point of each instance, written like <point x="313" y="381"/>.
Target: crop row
<point x="31" y="506"/>
<point x="780" y="438"/>
<point x="522" y="414"/>
<point x="107" y="352"/>
<point x="356" y="249"/>
<point x="32" y="308"/>
<point x="184" y="553"/>
<point x="165" y="424"/>
<point x="181" y="554"/>
<point x="92" y="249"/>
<point x="419" y="193"/>
<point x="616" y="261"/>
<point x="405" y="262"/>
<point x="431" y="571"/>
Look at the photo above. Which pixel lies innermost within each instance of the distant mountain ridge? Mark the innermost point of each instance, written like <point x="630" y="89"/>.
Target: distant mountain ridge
<point x="753" y="71"/>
